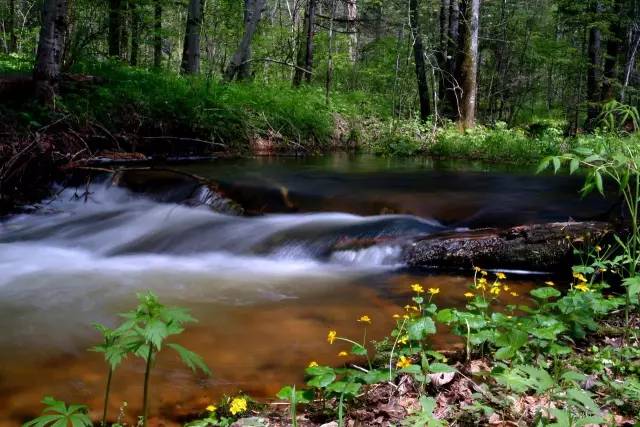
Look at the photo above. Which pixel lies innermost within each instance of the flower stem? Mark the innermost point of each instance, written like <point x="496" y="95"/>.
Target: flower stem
<point x="145" y="397"/>
<point x="106" y="397"/>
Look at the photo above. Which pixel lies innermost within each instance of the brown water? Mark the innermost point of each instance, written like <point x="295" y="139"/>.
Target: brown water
<point x="266" y="289"/>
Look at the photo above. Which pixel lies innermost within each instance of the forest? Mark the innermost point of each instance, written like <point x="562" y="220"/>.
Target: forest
<point x="319" y="213"/>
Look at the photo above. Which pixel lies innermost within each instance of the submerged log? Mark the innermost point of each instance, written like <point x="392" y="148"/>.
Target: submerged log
<point x="539" y="247"/>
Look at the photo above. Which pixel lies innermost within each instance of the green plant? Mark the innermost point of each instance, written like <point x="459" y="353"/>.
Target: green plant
<point x="144" y="331"/>
<point x="58" y="414"/>
<point x="425" y="416"/>
<point x="294" y="397"/>
<point x="620" y="164"/>
<point x="615" y="115"/>
<point x="114" y="352"/>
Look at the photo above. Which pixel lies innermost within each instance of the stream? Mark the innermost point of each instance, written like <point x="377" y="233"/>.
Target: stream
<point x="266" y="287"/>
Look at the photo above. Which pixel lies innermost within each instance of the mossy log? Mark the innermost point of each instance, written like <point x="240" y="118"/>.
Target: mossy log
<point x="539" y="247"/>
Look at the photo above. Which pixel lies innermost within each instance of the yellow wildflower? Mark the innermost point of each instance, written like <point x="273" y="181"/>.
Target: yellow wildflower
<point x="501" y="276"/>
<point x="238" y="405"/>
<point x="598" y="248"/>
<point x="484" y="273"/>
<point x="477" y="269"/>
<point x="417" y="288"/>
<point x="404" y="339"/>
<point x="434" y="291"/>
<point x="343" y="354"/>
<point x="495" y="291"/>
<point x="469" y="295"/>
<point x="549" y="283"/>
<point x="514" y="294"/>
<point x="332" y="336"/>
<point x="406" y="317"/>
<point x="505" y="288"/>
<point x="582" y="287"/>
<point x="364" y="319"/>
<point x="211" y="408"/>
<point x="580" y="277"/>
<point x="313" y="364"/>
<point x="396" y="316"/>
<point x="403" y="362"/>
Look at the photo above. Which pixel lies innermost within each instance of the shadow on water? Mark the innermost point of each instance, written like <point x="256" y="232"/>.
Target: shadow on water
<point x="265" y="288"/>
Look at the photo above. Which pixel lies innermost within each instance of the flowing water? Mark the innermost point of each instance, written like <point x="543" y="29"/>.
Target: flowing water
<point x="265" y="287"/>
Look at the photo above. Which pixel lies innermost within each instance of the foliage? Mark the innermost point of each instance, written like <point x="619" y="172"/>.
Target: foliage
<point x="58" y="414"/>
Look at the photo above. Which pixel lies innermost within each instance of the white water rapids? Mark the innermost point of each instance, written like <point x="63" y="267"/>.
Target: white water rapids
<point x="73" y="259"/>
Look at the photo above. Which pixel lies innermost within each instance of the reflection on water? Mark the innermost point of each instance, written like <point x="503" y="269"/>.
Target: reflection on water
<point x="265" y="289"/>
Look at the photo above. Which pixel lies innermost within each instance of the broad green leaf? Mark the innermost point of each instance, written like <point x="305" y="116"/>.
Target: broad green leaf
<point x="420" y="328"/>
<point x="545" y="293"/>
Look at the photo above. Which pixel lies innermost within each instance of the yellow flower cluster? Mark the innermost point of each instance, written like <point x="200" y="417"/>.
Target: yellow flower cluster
<point x="331" y="337"/>
<point x="403" y="362"/>
<point x="582" y="285"/>
<point x="211" y="408"/>
<point x="238" y="405"/>
<point x="313" y="364"/>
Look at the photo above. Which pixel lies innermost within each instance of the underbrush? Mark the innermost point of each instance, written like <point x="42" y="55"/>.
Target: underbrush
<point x="232" y="114"/>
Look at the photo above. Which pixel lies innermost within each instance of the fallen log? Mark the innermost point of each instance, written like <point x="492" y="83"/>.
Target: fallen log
<point x="539" y="247"/>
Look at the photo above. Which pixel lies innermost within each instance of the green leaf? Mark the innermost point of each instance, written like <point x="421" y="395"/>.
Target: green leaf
<point x="573" y="166"/>
<point x="155" y="332"/>
<point x="505" y="353"/>
<point x="191" y="359"/>
<point x="343" y="387"/>
<point x="358" y="350"/>
<point x="323" y="380"/>
<point x="556" y="164"/>
<point x="598" y="181"/>
<point x="633" y="286"/>
<point x="420" y="328"/>
<point x="438" y="368"/>
<point x="545" y="293"/>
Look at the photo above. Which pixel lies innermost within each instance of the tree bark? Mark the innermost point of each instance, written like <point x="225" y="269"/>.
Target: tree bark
<point x="115" y="27"/>
<point x="191" y="51"/>
<point x="352" y="29"/>
<point x="135" y="32"/>
<point x="452" y="90"/>
<point x="594" y="72"/>
<point x="51" y="44"/>
<point x="540" y="247"/>
<point x="157" y="34"/>
<point x="421" y="68"/>
<point x="469" y="69"/>
<point x="240" y="66"/>
<point x="304" y="60"/>
<point x="12" y="45"/>
<point x="445" y="6"/>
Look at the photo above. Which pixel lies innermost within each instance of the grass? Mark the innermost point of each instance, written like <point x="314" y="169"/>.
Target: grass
<point x="144" y="103"/>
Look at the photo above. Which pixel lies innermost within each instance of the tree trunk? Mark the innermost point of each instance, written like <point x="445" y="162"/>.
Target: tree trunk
<point x="157" y="34"/>
<point x="51" y="44"/>
<point x="12" y="45"/>
<point x="445" y="6"/>
<point x="329" y="79"/>
<point x="469" y="69"/>
<point x="124" y="28"/>
<point x="191" y="51"/>
<point x="594" y="73"/>
<point x="305" y="46"/>
<point x="115" y="27"/>
<point x="135" y="32"/>
<point x="352" y="28"/>
<point x="452" y="87"/>
<point x="538" y="247"/>
<point x="421" y="68"/>
<point x="240" y="66"/>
